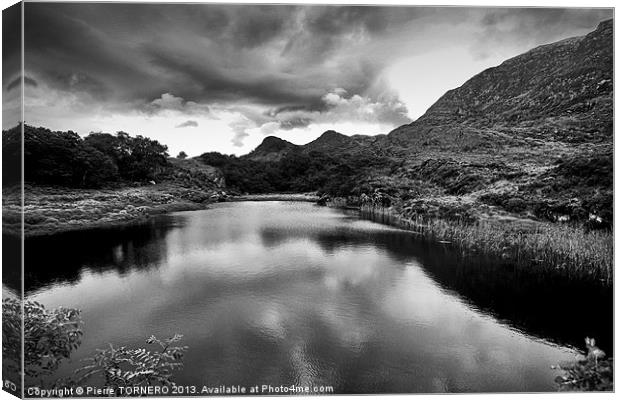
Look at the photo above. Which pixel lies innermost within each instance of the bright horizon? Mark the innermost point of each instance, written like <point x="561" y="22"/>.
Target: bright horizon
<point x="202" y="78"/>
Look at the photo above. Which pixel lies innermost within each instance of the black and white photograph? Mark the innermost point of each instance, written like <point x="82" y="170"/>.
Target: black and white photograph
<point x="228" y="199"/>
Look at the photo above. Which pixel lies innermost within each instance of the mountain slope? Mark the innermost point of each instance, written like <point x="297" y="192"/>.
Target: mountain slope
<point x="561" y="91"/>
<point x="508" y="139"/>
<point x="271" y="149"/>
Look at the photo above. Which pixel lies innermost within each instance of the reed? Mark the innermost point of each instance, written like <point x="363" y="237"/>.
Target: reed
<point x="567" y="249"/>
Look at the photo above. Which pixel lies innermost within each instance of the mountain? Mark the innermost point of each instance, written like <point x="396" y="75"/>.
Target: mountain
<point x="331" y="141"/>
<point x="560" y="91"/>
<point x="271" y="149"/>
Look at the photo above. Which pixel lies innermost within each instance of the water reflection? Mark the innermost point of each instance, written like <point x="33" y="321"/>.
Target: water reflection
<point x="61" y="258"/>
<point x="11" y="266"/>
<point x="289" y="293"/>
<point x="546" y="304"/>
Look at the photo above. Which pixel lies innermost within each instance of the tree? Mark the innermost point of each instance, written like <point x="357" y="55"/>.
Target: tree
<point x="97" y="167"/>
<point x="50" y="156"/>
<point x="64" y="158"/>
<point x="140" y="158"/>
<point x="182" y="155"/>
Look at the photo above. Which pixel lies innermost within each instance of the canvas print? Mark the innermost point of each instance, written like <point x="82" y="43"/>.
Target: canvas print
<point x="253" y="199"/>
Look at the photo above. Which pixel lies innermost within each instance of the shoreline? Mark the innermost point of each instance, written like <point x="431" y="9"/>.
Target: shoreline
<point x="307" y="197"/>
<point x="563" y="249"/>
<point x="52" y="210"/>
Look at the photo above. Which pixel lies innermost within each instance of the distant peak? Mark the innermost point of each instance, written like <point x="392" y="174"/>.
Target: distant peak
<point x="273" y="139"/>
<point x="331" y="136"/>
<point x="273" y="144"/>
<point x="332" y="133"/>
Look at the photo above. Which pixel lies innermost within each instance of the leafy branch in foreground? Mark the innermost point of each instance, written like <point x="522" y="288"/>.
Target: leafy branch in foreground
<point x="122" y="366"/>
<point x="594" y="372"/>
<point x="49" y="336"/>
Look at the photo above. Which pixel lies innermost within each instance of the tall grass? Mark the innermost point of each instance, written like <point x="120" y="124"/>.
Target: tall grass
<point x="567" y="249"/>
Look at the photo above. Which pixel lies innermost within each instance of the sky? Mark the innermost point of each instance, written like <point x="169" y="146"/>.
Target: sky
<point x="221" y="78"/>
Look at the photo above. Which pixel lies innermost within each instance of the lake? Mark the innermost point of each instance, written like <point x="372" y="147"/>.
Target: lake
<point x="290" y="293"/>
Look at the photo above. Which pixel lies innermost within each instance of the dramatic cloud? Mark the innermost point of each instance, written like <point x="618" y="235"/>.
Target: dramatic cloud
<point x="243" y="71"/>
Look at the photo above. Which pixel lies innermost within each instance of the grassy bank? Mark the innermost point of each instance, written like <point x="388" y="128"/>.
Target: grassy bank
<point x="311" y="197"/>
<point x="563" y="248"/>
<point x="51" y="209"/>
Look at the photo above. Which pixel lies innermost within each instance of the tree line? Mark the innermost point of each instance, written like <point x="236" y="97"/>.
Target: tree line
<point x="297" y="171"/>
<point x="65" y="158"/>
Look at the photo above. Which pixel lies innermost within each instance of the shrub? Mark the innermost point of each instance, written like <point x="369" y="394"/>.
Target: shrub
<point x="587" y="375"/>
<point x="122" y="366"/>
<point x="594" y="372"/>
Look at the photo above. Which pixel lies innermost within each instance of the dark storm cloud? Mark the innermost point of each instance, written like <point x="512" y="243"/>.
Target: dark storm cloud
<point x="260" y="24"/>
<point x="212" y="83"/>
<point x="136" y="52"/>
<point x="283" y="58"/>
<point x="188" y="124"/>
<point x="11" y="41"/>
<point x="11" y="66"/>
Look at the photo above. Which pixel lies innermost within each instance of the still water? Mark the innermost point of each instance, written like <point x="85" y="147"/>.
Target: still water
<point x="282" y="293"/>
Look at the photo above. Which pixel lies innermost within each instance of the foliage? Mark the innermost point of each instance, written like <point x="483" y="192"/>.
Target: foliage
<point x="297" y="171"/>
<point x="182" y="155"/>
<point x="137" y="158"/>
<point x="49" y="336"/>
<point x="587" y="375"/>
<point x="577" y="186"/>
<point x="595" y="372"/>
<point x="64" y="158"/>
<point x="571" y="250"/>
<point x="460" y="177"/>
<point x="122" y="366"/>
